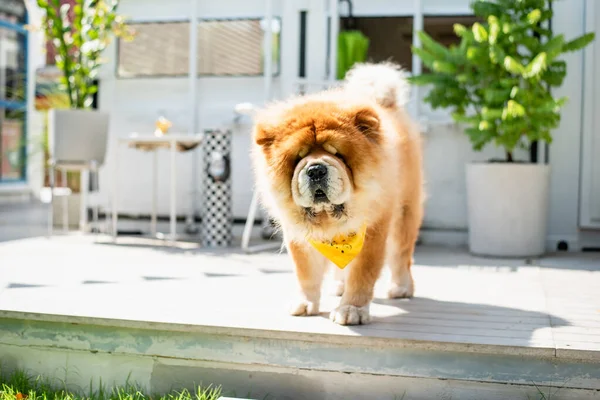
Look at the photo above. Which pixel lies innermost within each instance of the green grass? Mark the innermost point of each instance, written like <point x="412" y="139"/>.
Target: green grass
<point x="545" y="396"/>
<point x="20" y="386"/>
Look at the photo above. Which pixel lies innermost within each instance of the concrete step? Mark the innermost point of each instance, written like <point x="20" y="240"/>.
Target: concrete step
<point x="258" y="364"/>
<point x="80" y="308"/>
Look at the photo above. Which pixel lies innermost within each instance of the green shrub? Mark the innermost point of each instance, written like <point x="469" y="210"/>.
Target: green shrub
<point x="498" y="80"/>
<point x="80" y="34"/>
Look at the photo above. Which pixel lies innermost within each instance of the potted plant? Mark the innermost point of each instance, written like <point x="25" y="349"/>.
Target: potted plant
<point x="78" y="31"/>
<point x="498" y="84"/>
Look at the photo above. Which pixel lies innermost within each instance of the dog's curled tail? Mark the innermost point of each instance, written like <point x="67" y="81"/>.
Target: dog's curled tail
<point x="384" y="82"/>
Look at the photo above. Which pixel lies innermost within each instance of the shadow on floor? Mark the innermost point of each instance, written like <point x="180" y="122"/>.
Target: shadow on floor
<point x="457" y="321"/>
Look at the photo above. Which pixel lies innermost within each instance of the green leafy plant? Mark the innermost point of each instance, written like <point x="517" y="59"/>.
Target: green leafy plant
<point x="498" y="80"/>
<point x="80" y="30"/>
<point x="79" y="34"/>
<point x="18" y="385"/>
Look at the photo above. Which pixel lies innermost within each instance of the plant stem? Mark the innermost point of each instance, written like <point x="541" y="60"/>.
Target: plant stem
<point x="509" y="156"/>
<point x="67" y="70"/>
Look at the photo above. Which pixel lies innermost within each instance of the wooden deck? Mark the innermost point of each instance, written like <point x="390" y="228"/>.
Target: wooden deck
<point x="546" y="309"/>
<point x="550" y="307"/>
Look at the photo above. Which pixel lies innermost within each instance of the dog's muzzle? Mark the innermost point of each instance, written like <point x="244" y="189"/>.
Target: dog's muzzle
<point x="319" y="182"/>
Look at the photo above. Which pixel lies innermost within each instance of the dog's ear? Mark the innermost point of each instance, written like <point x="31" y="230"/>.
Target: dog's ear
<point x="366" y="120"/>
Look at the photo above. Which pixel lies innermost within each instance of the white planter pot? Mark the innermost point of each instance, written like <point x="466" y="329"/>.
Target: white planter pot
<point x="507" y="208"/>
<point x="78" y="136"/>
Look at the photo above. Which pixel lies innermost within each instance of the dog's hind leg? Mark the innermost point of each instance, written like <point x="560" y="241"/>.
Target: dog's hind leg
<point x="403" y="237"/>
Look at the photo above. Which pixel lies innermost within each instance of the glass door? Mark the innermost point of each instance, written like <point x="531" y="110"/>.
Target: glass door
<point x="13" y="83"/>
<point x="590" y="149"/>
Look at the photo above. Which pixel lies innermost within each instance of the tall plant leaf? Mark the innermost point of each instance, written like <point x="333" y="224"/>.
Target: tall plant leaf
<point x="579" y="43"/>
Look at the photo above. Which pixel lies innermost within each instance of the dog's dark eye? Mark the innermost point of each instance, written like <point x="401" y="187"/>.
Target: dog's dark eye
<point x="341" y="158"/>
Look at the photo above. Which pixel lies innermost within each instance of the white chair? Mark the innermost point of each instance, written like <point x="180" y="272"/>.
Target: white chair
<point x="77" y="142"/>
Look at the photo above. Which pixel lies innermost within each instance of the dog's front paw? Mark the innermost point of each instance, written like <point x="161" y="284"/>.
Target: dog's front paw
<point x="304" y="307"/>
<point x="404" y="291"/>
<point x="350" y="315"/>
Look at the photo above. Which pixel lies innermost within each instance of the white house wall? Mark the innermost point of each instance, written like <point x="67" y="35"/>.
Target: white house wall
<point x="590" y="162"/>
<point x="565" y="151"/>
<point x="136" y="103"/>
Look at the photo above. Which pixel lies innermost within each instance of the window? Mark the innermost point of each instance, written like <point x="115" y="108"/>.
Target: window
<point x="12" y="131"/>
<point x="12" y="65"/>
<point x="158" y="49"/>
<point x="13" y="73"/>
<point x="225" y="48"/>
<point x="13" y="11"/>
<point x="391" y="37"/>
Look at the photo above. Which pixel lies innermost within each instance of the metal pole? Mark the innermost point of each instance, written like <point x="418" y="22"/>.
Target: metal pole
<point x="115" y="192"/>
<point x="173" y="217"/>
<point x="84" y="195"/>
<point x="333" y="39"/>
<point x="154" y="192"/>
<point x="268" y="82"/>
<point x="95" y="185"/>
<point x="268" y="49"/>
<point x="416" y="61"/>
<point x="250" y="221"/>
<point x="193" y="128"/>
<point x="65" y="209"/>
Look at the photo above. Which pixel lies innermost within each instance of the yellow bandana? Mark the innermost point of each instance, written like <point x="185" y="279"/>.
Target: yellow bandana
<point x="343" y="248"/>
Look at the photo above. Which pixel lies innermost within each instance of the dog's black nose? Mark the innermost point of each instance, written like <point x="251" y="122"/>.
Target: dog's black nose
<point x="317" y="172"/>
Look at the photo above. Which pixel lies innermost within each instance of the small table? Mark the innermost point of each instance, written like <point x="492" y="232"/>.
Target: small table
<point x="175" y="143"/>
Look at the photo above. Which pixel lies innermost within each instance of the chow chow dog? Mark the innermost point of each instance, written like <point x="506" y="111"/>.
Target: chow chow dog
<point x="341" y="172"/>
